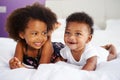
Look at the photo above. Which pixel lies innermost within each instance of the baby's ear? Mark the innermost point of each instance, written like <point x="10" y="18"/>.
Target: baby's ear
<point x="89" y="38"/>
<point x="21" y="34"/>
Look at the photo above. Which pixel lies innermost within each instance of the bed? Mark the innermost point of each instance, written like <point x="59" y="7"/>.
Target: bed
<point x="61" y="70"/>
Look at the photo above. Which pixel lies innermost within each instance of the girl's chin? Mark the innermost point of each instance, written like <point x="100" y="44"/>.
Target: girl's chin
<point x="36" y="47"/>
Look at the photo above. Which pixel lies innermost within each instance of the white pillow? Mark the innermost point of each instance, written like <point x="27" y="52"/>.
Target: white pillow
<point x="7" y="49"/>
<point x="113" y="31"/>
<point x="58" y="34"/>
<point x="113" y="24"/>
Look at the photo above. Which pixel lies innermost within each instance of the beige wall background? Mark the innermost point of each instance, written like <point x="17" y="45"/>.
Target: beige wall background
<point x="100" y="10"/>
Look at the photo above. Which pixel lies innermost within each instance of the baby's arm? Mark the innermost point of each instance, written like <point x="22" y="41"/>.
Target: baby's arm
<point x="90" y="64"/>
<point x="112" y="51"/>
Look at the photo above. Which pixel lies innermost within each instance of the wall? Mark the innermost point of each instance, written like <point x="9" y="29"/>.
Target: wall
<point x="7" y="6"/>
<point x="100" y="10"/>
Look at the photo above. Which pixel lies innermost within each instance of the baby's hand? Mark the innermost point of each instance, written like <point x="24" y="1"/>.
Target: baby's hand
<point x="15" y="63"/>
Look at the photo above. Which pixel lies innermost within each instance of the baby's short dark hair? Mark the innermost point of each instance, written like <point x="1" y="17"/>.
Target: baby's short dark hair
<point x="18" y="19"/>
<point x="81" y="17"/>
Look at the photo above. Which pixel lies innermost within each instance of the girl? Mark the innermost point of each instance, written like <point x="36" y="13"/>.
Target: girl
<point x="31" y="27"/>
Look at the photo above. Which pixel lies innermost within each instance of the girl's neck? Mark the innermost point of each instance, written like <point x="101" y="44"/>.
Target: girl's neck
<point x="32" y="52"/>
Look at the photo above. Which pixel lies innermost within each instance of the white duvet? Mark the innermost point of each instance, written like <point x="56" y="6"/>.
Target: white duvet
<point x="63" y="71"/>
<point x="58" y="71"/>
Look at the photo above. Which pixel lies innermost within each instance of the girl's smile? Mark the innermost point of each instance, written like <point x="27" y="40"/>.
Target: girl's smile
<point x="35" y="34"/>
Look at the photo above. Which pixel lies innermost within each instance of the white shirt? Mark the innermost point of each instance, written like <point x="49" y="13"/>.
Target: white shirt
<point x="89" y="51"/>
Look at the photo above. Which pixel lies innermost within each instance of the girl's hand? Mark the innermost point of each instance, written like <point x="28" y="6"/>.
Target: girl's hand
<point x="15" y="63"/>
<point x="55" y="26"/>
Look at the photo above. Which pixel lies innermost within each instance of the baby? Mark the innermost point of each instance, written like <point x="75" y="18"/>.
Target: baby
<point x="78" y="49"/>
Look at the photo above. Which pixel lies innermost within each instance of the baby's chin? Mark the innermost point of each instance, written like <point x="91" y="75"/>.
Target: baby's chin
<point x="72" y="47"/>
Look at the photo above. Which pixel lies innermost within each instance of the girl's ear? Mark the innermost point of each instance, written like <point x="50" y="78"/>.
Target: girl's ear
<point x="89" y="38"/>
<point x="21" y="34"/>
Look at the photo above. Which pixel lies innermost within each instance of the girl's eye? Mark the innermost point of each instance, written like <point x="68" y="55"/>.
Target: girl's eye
<point x="44" y="33"/>
<point x="34" y="33"/>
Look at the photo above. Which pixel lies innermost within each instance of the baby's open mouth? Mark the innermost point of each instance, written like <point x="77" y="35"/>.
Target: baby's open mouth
<point x="71" y="42"/>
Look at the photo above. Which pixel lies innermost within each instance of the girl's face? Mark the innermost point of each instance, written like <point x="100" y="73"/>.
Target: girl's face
<point x="35" y="34"/>
<point x="77" y="35"/>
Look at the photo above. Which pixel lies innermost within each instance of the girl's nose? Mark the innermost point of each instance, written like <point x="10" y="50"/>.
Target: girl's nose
<point x="39" y="37"/>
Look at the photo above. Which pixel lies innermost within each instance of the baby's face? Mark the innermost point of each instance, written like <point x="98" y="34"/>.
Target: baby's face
<point x="76" y="35"/>
<point x="35" y="34"/>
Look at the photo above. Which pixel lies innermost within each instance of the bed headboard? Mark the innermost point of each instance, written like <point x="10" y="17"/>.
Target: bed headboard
<point x="100" y="10"/>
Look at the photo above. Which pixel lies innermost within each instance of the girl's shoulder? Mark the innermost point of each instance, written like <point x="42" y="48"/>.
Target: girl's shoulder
<point x="21" y="44"/>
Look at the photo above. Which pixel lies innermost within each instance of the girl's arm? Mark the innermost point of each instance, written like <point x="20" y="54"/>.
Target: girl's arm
<point x="90" y="64"/>
<point x="19" y="51"/>
<point x="16" y="61"/>
<point x="47" y="51"/>
<point x="60" y="58"/>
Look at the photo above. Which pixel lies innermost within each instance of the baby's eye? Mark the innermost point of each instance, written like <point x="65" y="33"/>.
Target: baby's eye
<point x="77" y="34"/>
<point x="67" y="33"/>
